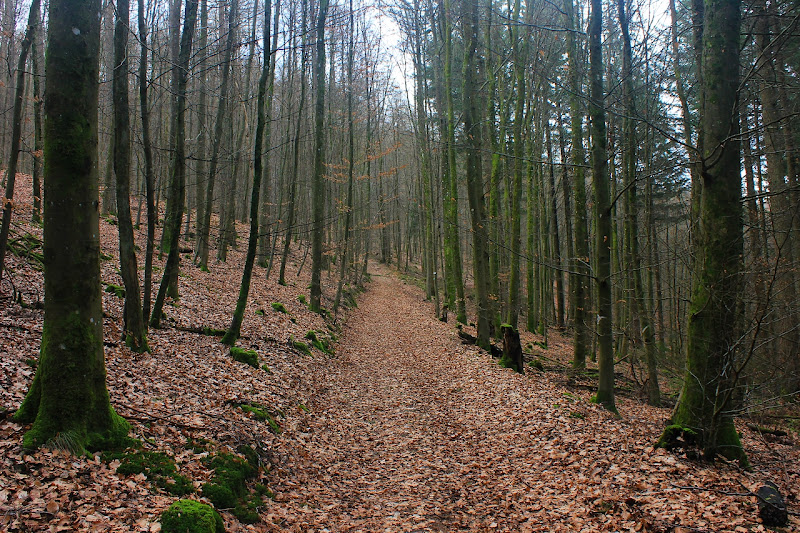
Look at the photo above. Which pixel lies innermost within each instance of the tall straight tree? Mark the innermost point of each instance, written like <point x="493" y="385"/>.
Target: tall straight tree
<point x="68" y="401"/>
<point x="512" y="349"/>
<point x="318" y="186"/>
<point x="602" y="212"/>
<point x="705" y="404"/>
<point x="149" y="173"/>
<point x="455" y="270"/>
<point x="350" y="162"/>
<point x="477" y="206"/>
<point x="134" y="328"/>
<point x="252" y="244"/>
<point x="178" y="163"/>
<point x="579" y="287"/>
<point x="639" y="307"/>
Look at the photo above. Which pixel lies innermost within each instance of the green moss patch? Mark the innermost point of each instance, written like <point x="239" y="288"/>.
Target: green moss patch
<point x="190" y="516"/>
<point x="320" y="341"/>
<point x="116" y="290"/>
<point x="302" y="299"/>
<point x="248" y="357"/>
<point x="677" y="436"/>
<point x="159" y="468"/>
<point x="536" y="364"/>
<point x="228" y="486"/>
<point x="300" y="346"/>
<point x="279" y="307"/>
<point x="262" y="414"/>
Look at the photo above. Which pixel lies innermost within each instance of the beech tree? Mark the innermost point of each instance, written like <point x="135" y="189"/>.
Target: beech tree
<point x="705" y="408"/>
<point x="318" y="188"/>
<point x="68" y="402"/>
<point x="134" y="328"/>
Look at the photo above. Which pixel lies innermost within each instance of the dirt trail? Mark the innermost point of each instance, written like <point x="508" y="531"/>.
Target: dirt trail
<point x="413" y="431"/>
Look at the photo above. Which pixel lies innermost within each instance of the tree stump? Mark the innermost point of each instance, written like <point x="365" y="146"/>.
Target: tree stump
<point x="512" y="349"/>
<point x="771" y="507"/>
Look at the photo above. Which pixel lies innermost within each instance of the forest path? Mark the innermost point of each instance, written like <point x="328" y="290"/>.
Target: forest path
<point x="412" y="431"/>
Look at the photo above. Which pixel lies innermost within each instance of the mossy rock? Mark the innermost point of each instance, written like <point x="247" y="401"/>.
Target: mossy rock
<point x="536" y="364"/>
<point x="262" y="415"/>
<point x="320" y="341"/>
<point x="302" y="299"/>
<point x="228" y="486"/>
<point x="279" y="307"/>
<point x="677" y="436"/>
<point x="213" y="332"/>
<point x="248" y="357"/>
<point x="159" y="468"/>
<point x="190" y="516"/>
<point x="260" y="312"/>
<point x="301" y="346"/>
<point x="116" y="290"/>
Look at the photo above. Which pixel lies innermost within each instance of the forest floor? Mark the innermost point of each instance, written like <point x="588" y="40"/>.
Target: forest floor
<point x="403" y="429"/>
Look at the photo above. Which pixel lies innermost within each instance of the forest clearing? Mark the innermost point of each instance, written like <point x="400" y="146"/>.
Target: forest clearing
<point x="401" y="427"/>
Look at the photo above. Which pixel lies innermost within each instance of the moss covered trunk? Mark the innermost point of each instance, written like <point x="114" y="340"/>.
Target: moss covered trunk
<point x="68" y="401"/>
<point x="705" y="403"/>
<point x="602" y="213"/>
<point x="579" y="289"/>
<point x="477" y="206"/>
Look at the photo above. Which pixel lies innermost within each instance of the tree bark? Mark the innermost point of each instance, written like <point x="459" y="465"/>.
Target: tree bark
<point x="705" y="404"/>
<point x="252" y="245"/>
<point x="580" y="264"/>
<point x="318" y="184"/>
<point x="134" y="329"/>
<point x="68" y="401"/>
<point x="149" y="174"/>
<point x="472" y="128"/>
<point x="178" y="164"/>
<point x="602" y="213"/>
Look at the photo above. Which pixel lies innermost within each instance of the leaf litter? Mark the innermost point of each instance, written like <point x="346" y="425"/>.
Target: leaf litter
<point x="404" y="429"/>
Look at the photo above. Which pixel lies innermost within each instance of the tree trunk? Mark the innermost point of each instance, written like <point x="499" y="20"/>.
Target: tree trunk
<point x="68" y="401"/>
<point x="149" y="175"/>
<point x="639" y="307"/>
<point x="580" y="264"/>
<point x="602" y="213"/>
<point x="350" y="164"/>
<point x="705" y="404"/>
<point x="318" y="184"/>
<point x="38" y="140"/>
<point x="204" y="229"/>
<point x="134" y="329"/>
<point x="178" y="164"/>
<point x="452" y="238"/>
<point x="252" y="244"/>
<point x="472" y="128"/>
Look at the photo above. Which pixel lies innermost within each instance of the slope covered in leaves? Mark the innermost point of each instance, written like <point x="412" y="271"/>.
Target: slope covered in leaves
<point x="405" y="429"/>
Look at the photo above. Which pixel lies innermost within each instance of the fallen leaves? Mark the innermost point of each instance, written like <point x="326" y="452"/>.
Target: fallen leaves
<point x="405" y="430"/>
